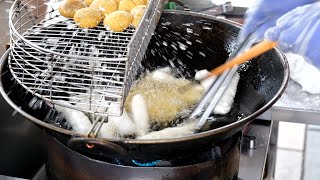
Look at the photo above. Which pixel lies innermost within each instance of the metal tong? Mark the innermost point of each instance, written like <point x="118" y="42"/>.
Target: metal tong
<point x="227" y="71"/>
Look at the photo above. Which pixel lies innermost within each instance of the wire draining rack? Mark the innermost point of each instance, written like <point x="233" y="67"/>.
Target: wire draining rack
<point x="90" y="70"/>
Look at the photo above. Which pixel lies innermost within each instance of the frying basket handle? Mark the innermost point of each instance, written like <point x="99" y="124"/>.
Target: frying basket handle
<point x="98" y="147"/>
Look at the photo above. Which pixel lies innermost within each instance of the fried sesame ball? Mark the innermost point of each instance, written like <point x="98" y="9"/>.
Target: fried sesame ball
<point x="88" y="2"/>
<point x="68" y="8"/>
<point x="126" y="5"/>
<point x="118" y="21"/>
<point x="137" y="13"/>
<point x="105" y="6"/>
<point x="140" y="2"/>
<point x="88" y="17"/>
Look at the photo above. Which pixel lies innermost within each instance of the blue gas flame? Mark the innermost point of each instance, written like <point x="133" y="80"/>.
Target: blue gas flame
<point x="150" y="164"/>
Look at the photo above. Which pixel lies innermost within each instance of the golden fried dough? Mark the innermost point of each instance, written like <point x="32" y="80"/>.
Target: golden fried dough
<point x="118" y="21"/>
<point x="165" y="102"/>
<point x="88" y="17"/>
<point x="68" y="7"/>
<point x="118" y="1"/>
<point x="193" y="94"/>
<point x="137" y="13"/>
<point x="88" y="2"/>
<point x="140" y="2"/>
<point x="105" y="6"/>
<point x="126" y="5"/>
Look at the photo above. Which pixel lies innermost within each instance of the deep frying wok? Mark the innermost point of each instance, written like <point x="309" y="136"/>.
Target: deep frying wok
<point x="210" y="41"/>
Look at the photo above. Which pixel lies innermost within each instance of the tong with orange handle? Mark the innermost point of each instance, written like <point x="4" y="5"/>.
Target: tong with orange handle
<point x="251" y="53"/>
<point x="202" y="111"/>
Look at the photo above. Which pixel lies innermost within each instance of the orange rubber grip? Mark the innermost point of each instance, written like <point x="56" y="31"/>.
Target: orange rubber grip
<point x="253" y="52"/>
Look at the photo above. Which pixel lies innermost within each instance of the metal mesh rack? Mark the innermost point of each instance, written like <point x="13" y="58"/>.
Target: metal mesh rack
<point x="90" y="70"/>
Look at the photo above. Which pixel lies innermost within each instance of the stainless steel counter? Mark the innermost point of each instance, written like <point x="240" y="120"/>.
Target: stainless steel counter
<point x="252" y="161"/>
<point x="296" y="106"/>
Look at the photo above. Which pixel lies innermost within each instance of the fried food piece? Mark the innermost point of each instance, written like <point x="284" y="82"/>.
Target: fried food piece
<point x="118" y="21"/>
<point x="79" y="122"/>
<point x="193" y="94"/>
<point x="105" y="6"/>
<point x="140" y="2"/>
<point x="88" y="17"/>
<point x="126" y="5"/>
<point x="68" y="7"/>
<point x="137" y="13"/>
<point x="140" y="114"/>
<point x="118" y="1"/>
<point x="226" y="100"/>
<point x="171" y="132"/>
<point x="206" y="83"/>
<point x="165" y="102"/>
<point x="88" y="2"/>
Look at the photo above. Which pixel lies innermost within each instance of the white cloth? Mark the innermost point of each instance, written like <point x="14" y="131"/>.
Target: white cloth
<point x="304" y="73"/>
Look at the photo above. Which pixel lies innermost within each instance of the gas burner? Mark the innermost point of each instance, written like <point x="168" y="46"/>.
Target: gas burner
<point x="220" y="160"/>
<point x="212" y="153"/>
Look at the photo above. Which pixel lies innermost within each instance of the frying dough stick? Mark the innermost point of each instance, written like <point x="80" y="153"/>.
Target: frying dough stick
<point x="225" y="103"/>
<point x="163" y="74"/>
<point x="227" y="98"/>
<point x="171" y="132"/>
<point x="140" y="114"/>
<point x="206" y="82"/>
<point x="79" y="122"/>
<point x="123" y="124"/>
<point x="107" y="130"/>
<point x="117" y="126"/>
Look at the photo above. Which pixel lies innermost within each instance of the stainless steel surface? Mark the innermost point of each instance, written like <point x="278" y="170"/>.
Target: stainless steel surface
<point x="63" y="64"/>
<point x="253" y="161"/>
<point x="272" y="152"/>
<point x="2" y="177"/>
<point x="295" y="110"/>
<point x="291" y="113"/>
<point x="249" y="142"/>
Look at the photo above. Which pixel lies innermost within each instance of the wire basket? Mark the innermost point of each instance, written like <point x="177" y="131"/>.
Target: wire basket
<point x="90" y="70"/>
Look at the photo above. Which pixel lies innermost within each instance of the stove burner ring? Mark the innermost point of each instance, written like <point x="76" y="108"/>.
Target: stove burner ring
<point x="64" y="163"/>
<point x="212" y="153"/>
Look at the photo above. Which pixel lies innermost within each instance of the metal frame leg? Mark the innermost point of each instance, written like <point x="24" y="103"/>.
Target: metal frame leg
<point x="272" y="152"/>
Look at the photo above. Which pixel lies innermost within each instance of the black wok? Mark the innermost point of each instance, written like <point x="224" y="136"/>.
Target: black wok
<point x="210" y="41"/>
